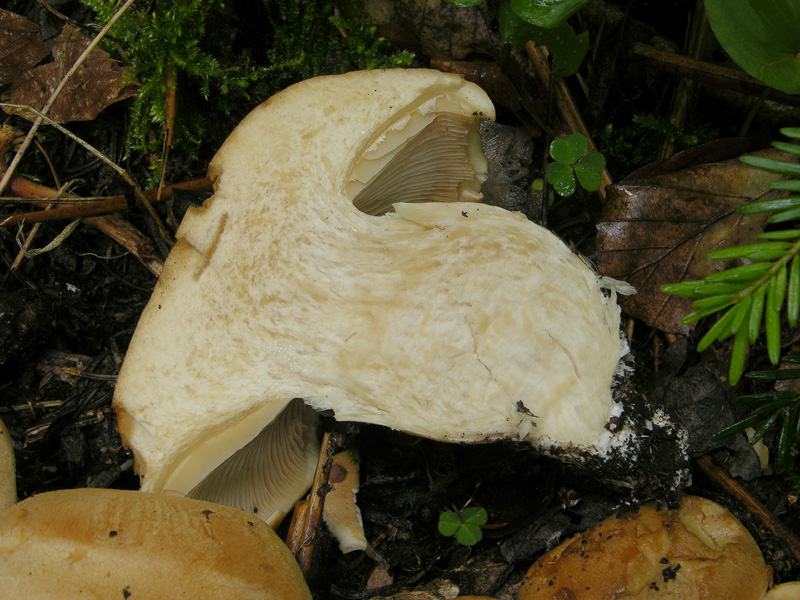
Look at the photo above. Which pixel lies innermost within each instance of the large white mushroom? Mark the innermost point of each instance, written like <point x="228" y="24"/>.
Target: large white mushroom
<point x="443" y="318"/>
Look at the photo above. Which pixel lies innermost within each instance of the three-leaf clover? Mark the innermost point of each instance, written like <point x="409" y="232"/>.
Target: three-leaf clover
<point x="572" y="160"/>
<point x="465" y="525"/>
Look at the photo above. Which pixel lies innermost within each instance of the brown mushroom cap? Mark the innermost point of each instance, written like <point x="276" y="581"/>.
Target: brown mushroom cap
<point x="98" y="543"/>
<point x="697" y="552"/>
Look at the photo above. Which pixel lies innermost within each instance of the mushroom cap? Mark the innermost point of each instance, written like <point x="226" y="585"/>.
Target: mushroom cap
<point x="697" y="552"/>
<point x="443" y="318"/>
<point x="102" y="543"/>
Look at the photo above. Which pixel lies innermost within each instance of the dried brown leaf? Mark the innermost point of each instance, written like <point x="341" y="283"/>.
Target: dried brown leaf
<point x="21" y="47"/>
<point x="659" y="230"/>
<point x="98" y="82"/>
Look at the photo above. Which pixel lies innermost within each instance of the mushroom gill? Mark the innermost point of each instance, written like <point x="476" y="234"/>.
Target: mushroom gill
<point x="443" y="318"/>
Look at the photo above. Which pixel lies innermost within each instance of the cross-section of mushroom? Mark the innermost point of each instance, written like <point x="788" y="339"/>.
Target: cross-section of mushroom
<point x="443" y="317"/>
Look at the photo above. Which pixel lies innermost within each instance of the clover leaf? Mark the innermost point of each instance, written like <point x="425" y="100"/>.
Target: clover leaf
<point x="465" y="525"/>
<point x="572" y="161"/>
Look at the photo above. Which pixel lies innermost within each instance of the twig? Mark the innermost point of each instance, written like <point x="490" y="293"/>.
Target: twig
<point x="730" y="486"/>
<point x="565" y="105"/>
<point x="162" y="231"/>
<point x="683" y="91"/>
<point x="80" y="208"/>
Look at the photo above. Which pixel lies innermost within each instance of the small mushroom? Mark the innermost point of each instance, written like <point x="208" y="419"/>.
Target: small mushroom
<point x="697" y="552"/>
<point x="784" y="591"/>
<point x="343" y="260"/>
<point x="8" y="479"/>
<point x="341" y="513"/>
<point x="101" y="543"/>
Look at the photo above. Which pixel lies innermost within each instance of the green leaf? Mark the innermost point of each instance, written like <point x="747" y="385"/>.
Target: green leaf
<point x="757" y="251"/>
<point x="784" y="216"/>
<point x="546" y="13"/>
<point x="756" y="312"/>
<point x="772" y="324"/>
<point x="792" y="357"/>
<point x="761" y="206"/>
<point x="712" y="301"/>
<point x="464" y="3"/>
<point x="686" y="289"/>
<point x="766" y="397"/>
<point x="793" y="292"/>
<point x="783" y="234"/>
<point x="742" y="313"/>
<point x="787" y="441"/>
<point x="561" y="177"/>
<point x="589" y="169"/>
<point x="717" y="329"/>
<point x="568" y="49"/>
<point x="740" y="345"/>
<point x="705" y="312"/>
<point x="749" y="272"/>
<point x="774" y="374"/>
<point x="759" y="433"/>
<point x="791" y="132"/>
<point x="760" y="414"/>
<point x="791" y="185"/>
<point x="570" y="149"/>
<point x="474" y="515"/>
<point x="469" y="534"/>
<point x="761" y="37"/>
<point x="781" y="167"/>
<point x="792" y="149"/>
<point x="449" y="523"/>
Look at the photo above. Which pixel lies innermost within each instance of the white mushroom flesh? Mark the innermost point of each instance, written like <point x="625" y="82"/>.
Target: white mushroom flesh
<point x="450" y="320"/>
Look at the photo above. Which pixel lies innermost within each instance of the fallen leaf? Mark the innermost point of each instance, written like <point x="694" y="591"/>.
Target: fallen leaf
<point x="98" y="82"/>
<point x="21" y="47"/>
<point x="659" y="230"/>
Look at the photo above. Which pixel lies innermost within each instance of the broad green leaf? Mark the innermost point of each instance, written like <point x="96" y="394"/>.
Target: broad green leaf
<point x="449" y="523"/>
<point x="546" y="13"/>
<point x="570" y="149"/>
<point x="761" y="37"/>
<point x="561" y="177"/>
<point x="713" y="288"/>
<point x="589" y="169"/>
<point x="791" y="132"/>
<point x="469" y="534"/>
<point x="568" y="49"/>
<point x="474" y="515"/>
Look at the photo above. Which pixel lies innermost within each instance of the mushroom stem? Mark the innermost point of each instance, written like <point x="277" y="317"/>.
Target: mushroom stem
<point x="8" y="478"/>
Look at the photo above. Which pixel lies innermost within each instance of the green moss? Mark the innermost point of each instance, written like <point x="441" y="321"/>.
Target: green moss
<point x="223" y="68"/>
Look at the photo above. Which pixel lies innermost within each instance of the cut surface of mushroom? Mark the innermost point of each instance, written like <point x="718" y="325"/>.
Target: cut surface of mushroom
<point x="341" y="513"/>
<point x="99" y="543"/>
<point x="443" y="318"/>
